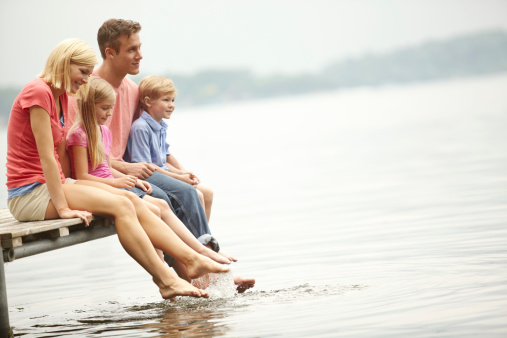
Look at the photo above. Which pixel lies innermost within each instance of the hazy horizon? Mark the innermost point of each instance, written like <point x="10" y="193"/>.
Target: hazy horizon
<point x="276" y="37"/>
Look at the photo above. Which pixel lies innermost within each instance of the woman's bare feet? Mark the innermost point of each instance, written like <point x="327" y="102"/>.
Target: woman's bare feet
<point x="231" y="258"/>
<point x="203" y="265"/>
<point x="179" y="287"/>
<point x="243" y="283"/>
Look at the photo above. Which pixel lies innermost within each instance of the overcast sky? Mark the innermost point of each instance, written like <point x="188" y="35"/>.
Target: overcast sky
<point x="286" y="36"/>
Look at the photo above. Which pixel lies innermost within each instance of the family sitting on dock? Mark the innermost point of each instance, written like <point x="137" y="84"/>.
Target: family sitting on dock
<point x="102" y="150"/>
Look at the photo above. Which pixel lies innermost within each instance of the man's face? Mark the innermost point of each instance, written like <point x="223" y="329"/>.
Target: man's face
<point x="129" y="57"/>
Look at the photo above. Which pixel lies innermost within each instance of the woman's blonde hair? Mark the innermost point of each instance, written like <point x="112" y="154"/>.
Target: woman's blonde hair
<point x="56" y="72"/>
<point x="154" y="87"/>
<point x="98" y="90"/>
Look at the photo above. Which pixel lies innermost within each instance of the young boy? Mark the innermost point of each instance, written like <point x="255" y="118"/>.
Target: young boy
<point x="147" y="143"/>
<point x="147" y="139"/>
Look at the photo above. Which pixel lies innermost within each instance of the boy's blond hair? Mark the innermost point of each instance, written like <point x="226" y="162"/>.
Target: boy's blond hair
<point x="154" y="87"/>
<point x="109" y="33"/>
<point x="56" y="72"/>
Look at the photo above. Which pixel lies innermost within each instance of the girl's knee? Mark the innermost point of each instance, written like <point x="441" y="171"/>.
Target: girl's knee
<point x="123" y="206"/>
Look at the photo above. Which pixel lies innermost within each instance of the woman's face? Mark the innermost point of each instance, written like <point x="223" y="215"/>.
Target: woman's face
<point x="79" y="75"/>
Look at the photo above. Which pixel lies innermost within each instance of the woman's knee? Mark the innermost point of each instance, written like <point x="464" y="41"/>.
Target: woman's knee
<point x="123" y="206"/>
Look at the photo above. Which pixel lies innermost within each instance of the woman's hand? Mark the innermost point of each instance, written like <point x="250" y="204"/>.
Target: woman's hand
<point x="84" y="215"/>
<point x="144" y="186"/>
<point x="126" y="181"/>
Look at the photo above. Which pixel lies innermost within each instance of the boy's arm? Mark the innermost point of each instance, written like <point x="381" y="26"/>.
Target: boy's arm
<point x="185" y="177"/>
<point x="174" y="166"/>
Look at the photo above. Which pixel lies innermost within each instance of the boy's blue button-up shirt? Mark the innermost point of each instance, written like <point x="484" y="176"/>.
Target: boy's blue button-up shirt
<point x="147" y="142"/>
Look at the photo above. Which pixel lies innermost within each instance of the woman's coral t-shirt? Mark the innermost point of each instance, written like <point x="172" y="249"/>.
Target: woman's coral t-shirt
<point x="23" y="161"/>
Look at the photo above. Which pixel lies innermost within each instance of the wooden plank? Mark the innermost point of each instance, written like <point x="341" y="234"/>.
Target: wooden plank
<point x="20" y="229"/>
<point x="11" y="243"/>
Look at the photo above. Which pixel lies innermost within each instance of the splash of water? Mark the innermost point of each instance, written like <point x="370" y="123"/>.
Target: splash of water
<point x="219" y="285"/>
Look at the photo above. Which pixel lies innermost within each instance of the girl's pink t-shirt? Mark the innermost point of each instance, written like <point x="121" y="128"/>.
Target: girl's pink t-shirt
<point x="77" y="137"/>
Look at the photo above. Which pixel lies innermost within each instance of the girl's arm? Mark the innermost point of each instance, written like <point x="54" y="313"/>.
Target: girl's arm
<point x="41" y="127"/>
<point x="80" y="154"/>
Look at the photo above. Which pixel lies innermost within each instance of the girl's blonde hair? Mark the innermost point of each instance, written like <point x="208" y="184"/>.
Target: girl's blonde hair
<point x="154" y="87"/>
<point x="56" y="72"/>
<point x="98" y="90"/>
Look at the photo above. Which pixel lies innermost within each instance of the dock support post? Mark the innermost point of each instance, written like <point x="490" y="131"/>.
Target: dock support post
<point x="5" y="327"/>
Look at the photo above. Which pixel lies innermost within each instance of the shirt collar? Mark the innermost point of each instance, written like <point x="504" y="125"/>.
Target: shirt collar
<point x="152" y="123"/>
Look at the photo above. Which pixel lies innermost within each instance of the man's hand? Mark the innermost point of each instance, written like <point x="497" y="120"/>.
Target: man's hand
<point x="141" y="170"/>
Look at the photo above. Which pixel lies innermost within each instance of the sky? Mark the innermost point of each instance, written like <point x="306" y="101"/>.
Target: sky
<point x="265" y="37"/>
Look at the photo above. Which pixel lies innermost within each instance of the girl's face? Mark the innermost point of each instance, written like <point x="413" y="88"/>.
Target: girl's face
<point x="79" y="75"/>
<point x="103" y="110"/>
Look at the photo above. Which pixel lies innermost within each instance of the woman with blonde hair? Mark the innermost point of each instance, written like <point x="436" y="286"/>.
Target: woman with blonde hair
<point x="38" y="189"/>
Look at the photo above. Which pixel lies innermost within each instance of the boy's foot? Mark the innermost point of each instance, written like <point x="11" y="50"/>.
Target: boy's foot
<point x="203" y="265"/>
<point x="243" y="283"/>
<point x="231" y="258"/>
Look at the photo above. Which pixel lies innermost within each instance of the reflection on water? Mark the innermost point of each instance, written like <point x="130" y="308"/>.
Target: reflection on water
<point x="369" y="212"/>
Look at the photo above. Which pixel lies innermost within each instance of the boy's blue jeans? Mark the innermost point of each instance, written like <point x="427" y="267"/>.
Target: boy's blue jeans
<point x="184" y="201"/>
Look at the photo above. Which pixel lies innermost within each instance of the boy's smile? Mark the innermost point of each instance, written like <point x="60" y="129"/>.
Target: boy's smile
<point x="161" y="108"/>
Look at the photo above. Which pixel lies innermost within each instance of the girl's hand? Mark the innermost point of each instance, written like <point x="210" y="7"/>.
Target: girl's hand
<point x="126" y="181"/>
<point x="144" y="186"/>
<point x="86" y="216"/>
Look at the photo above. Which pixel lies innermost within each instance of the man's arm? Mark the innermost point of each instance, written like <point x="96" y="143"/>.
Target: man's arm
<point x="141" y="170"/>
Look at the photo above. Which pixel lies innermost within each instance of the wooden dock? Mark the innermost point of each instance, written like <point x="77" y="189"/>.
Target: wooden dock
<point x="24" y="239"/>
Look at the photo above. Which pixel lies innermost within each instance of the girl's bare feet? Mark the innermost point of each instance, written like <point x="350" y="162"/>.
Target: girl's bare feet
<point x="243" y="283"/>
<point x="231" y="258"/>
<point x="203" y="265"/>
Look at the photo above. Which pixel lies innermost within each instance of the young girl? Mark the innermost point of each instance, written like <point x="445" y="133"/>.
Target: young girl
<point x="89" y="145"/>
<point x="38" y="190"/>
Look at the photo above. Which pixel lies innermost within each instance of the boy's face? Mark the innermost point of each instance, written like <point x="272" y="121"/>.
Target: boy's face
<point x="128" y="59"/>
<point x="161" y="108"/>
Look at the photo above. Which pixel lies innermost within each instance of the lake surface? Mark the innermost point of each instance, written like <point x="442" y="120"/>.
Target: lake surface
<point x="374" y="212"/>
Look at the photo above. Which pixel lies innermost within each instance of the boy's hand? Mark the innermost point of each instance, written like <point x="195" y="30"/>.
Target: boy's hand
<point x="194" y="177"/>
<point x="126" y="181"/>
<point x="187" y="179"/>
<point x="141" y="170"/>
<point x="144" y="186"/>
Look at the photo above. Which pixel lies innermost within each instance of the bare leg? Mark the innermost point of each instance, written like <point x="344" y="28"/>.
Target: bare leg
<point x="163" y="237"/>
<point x="207" y="193"/>
<point x="130" y="233"/>
<point x="181" y="230"/>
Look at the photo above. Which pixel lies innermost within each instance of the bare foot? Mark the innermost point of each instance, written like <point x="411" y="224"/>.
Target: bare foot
<point x="243" y="283"/>
<point x="217" y="257"/>
<point x="201" y="282"/>
<point x="233" y="259"/>
<point x="179" y="287"/>
<point x="203" y="265"/>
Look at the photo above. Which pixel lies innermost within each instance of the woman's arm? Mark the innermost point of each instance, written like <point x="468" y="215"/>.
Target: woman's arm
<point x="41" y="127"/>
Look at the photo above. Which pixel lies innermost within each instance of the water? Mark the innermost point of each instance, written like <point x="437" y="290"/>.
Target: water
<point x="368" y="212"/>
